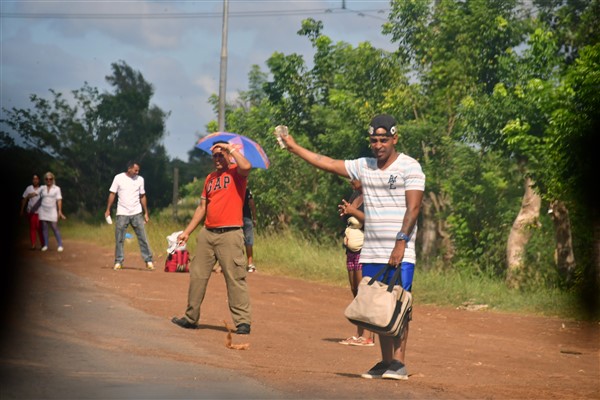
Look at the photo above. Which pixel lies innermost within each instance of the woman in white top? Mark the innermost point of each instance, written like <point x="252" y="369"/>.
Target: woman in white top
<point x="51" y="209"/>
<point x="28" y="205"/>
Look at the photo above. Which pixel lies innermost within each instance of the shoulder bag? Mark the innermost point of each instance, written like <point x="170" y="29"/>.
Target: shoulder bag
<point x="379" y="307"/>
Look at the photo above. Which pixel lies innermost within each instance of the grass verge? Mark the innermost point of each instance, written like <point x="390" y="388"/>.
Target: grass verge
<point x="291" y="255"/>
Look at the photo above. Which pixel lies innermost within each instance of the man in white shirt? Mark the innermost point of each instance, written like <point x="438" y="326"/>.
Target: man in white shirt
<point x="393" y="184"/>
<point x="132" y="210"/>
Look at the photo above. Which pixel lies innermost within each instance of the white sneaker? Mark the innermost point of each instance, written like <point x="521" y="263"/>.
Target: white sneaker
<point x="60" y="249"/>
<point x="117" y="266"/>
<point x="45" y="248"/>
<point x="150" y="265"/>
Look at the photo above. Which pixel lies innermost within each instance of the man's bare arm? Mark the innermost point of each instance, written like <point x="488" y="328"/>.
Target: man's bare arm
<point x="413" y="207"/>
<point x="325" y="163"/>
<point x="196" y="220"/>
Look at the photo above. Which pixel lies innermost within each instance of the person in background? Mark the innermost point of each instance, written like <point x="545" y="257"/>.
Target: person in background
<point x="249" y="212"/>
<point x="50" y="210"/>
<point x="393" y="184"/>
<point x="221" y="239"/>
<point x="31" y="196"/>
<point x="352" y="212"/>
<point x="132" y="209"/>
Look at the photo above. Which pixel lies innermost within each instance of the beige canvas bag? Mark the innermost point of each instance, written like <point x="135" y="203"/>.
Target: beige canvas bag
<point x="379" y="307"/>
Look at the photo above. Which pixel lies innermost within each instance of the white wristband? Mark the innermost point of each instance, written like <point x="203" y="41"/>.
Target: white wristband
<point x="232" y="150"/>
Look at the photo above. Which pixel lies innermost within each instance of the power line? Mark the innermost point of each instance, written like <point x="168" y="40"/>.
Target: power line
<point x="166" y="15"/>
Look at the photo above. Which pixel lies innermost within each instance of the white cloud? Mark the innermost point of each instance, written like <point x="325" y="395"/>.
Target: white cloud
<point x="180" y="56"/>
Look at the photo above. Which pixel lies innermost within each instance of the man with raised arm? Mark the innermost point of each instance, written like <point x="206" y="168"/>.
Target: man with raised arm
<point x="393" y="184"/>
<point x="221" y="239"/>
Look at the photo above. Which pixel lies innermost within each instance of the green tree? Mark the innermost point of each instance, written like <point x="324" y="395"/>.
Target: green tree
<point x="20" y="164"/>
<point x="512" y="120"/>
<point x="519" y="118"/>
<point x="475" y="109"/>
<point x="91" y="137"/>
<point x="327" y="107"/>
<point x="453" y="49"/>
<point x="570" y="167"/>
<point x="576" y="24"/>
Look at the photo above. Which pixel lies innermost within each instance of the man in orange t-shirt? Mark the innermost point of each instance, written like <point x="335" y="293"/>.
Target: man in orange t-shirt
<point x="221" y="239"/>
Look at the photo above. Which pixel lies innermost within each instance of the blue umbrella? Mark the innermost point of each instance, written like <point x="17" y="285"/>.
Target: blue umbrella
<point x="249" y="148"/>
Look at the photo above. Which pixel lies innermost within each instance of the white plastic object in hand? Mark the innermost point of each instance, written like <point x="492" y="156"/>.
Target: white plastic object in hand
<point x="174" y="243"/>
<point x="281" y="131"/>
<point x="109" y="220"/>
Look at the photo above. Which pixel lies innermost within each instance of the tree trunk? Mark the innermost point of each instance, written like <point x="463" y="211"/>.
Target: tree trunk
<point x="441" y="203"/>
<point x="434" y="231"/>
<point x="564" y="256"/>
<point x="427" y="231"/>
<point x="520" y="234"/>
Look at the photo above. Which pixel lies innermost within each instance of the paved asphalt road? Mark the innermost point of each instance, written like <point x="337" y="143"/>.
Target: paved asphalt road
<point x="53" y="348"/>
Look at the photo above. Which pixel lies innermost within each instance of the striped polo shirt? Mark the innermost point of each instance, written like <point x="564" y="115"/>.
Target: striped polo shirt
<point x="385" y="204"/>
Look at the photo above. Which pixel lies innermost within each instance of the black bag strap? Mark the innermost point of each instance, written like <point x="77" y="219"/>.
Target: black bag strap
<point x="37" y="204"/>
<point x="396" y="278"/>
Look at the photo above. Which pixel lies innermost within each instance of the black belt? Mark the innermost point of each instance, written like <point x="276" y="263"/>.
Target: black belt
<point x="223" y="230"/>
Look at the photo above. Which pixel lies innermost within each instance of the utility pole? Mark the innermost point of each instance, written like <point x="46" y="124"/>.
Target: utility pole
<point x="223" y="73"/>
<point x="175" y="191"/>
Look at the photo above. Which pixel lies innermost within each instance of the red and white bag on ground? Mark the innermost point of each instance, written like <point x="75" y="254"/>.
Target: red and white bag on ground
<point x="178" y="261"/>
<point x="178" y="258"/>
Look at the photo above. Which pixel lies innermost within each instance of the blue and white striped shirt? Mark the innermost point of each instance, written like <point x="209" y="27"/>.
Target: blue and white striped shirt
<point x="385" y="204"/>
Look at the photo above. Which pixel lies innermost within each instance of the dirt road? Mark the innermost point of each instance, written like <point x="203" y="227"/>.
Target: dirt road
<point x="107" y="334"/>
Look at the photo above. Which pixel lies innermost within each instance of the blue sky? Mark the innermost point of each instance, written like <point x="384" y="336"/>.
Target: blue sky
<point x="176" y="45"/>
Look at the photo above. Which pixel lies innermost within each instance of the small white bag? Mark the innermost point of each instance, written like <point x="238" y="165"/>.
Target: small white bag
<point x="354" y="237"/>
<point x="174" y="244"/>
